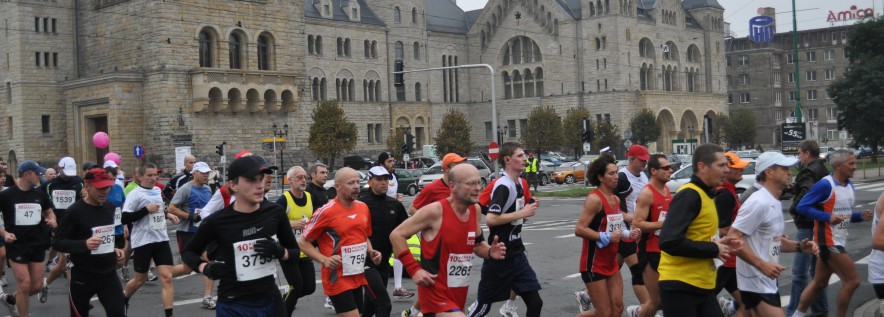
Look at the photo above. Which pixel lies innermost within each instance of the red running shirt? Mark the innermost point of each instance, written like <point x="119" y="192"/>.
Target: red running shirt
<point x="659" y="206"/>
<point x="342" y="231"/>
<point x="602" y="260"/>
<point x="449" y="254"/>
<point x="437" y="190"/>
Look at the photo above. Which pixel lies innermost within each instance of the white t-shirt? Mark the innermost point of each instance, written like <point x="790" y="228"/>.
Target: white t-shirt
<point x="760" y="220"/>
<point x="876" y="259"/>
<point x="215" y="203"/>
<point x="141" y="232"/>
<point x="637" y="183"/>
<point x="393" y="188"/>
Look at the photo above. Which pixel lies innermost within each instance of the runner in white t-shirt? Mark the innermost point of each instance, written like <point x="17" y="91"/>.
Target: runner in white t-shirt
<point x="149" y="236"/>
<point x="760" y="224"/>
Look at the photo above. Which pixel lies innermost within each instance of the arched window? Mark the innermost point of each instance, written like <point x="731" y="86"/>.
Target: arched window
<point x="235" y="49"/>
<point x="374" y="49"/>
<point x="400" y="50"/>
<point x="366" y="48"/>
<point x="670" y="51"/>
<point x="538" y="82"/>
<point x="417" y="92"/>
<point x="314" y="88"/>
<point x="340" y="47"/>
<point x="265" y="47"/>
<point x="414" y="15"/>
<point x="318" y="45"/>
<point x="377" y="90"/>
<point x="529" y="84"/>
<point x="517" y="84"/>
<point x="520" y="50"/>
<point x="347" y="47"/>
<point x="397" y="15"/>
<point x="322" y="89"/>
<point x="507" y="86"/>
<point x="310" y="44"/>
<point x="207" y="45"/>
<point x="417" y="51"/>
<point x="646" y="48"/>
<point x="693" y="54"/>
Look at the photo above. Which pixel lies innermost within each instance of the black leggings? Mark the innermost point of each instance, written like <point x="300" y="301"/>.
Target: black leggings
<point x="377" y="300"/>
<point x="299" y="274"/>
<point x="532" y="299"/>
<point x="678" y="302"/>
<point x="107" y="286"/>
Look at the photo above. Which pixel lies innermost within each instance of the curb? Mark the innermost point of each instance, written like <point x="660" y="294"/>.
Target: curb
<point x="867" y="310"/>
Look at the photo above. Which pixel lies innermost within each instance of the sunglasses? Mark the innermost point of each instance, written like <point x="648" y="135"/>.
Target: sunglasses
<point x="666" y="168"/>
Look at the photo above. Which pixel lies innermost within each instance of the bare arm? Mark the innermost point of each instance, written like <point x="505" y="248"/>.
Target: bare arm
<point x="591" y="206"/>
<point x="769" y="269"/>
<point x="411" y="210"/>
<point x="878" y="236"/>
<point x="427" y="220"/>
<point x="643" y="209"/>
<point x="173" y="209"/>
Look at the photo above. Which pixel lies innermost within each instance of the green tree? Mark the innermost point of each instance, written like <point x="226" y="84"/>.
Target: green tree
<point x="454" y="134"/>
<point x="544" y="130"/>
<point x="331" y="132"/>
<point x="606" y="134"/>
<point x="719" y="128"/>
<point x="858" y="93"/>
<point x="742" y="128"/>
<point x="395" y="142"/>
<point x="572" y="129"/>
<point x="644" y="126"/>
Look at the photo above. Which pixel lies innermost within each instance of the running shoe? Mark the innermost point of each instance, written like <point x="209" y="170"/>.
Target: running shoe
<point x="328" y="304"/>
<point x="5" y="298"/>
<point x="44" y="292"/>
<point x="472" y="307"/>
<point x="632" y="310"/>
<point x="3" y="280"/>
<point x="508" y="311"/>
<point x="124" y="271"/>
<point x="727" y="306"/>
<point x="152" y="275"/>
<point x="208" y="302"/>
<point x="584" y="303"/>
<point x="407" y="313"/>
<point x="659" y="313"/>
<point x="401" y="293"/>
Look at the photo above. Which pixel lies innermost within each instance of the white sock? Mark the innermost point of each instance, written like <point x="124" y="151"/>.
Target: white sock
<point x="798" y="314"/>
<point x="509" y="303"/>
<point x="397" y="273"/>
<point x="414" y="311"/>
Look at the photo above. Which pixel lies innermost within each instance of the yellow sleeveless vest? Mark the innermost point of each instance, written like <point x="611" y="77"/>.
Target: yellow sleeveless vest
<point x="697" y="272"/>
<point x="295" y="212"/>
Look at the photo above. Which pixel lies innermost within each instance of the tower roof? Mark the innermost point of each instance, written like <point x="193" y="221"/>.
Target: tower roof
<point x="693" y="4"/>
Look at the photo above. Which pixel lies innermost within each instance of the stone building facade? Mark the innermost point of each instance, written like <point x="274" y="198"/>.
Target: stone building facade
<point x="200" y="72"/>
<point x="761" y="77"/>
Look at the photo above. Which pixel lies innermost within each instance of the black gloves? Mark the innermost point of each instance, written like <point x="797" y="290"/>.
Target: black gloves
<point x="269" y="248"/>
<point x="216" y="269"/>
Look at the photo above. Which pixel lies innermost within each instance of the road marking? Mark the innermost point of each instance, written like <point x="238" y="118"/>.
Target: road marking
<point x="864" y="260"/>
<point x="869" y="187"/>
<point x="790" y="220"/>
<point x="566" y="236"/>
<point x="571" y="276"/>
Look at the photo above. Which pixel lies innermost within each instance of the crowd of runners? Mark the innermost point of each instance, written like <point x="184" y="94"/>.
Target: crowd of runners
<point x="681" y="250"/>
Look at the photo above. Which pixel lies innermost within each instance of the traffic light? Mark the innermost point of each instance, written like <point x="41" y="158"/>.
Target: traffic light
<point x="220" y="148"/>
<point x="409" y="143"/>
<point x="588" y="136"/>
<point x="399" y="78"/>
<point x="841" y="123"/>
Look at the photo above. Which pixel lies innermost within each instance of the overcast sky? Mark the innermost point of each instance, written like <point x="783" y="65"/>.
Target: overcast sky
<point x="812" y="14"/>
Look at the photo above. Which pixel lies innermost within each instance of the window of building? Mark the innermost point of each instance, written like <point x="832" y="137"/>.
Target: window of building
<point x="730" y="98"/>
<point x="744" y="97"/>
<point x="811" y="94"/>
<point x="790" y="78"/>
<point x="206" y="45"/>
<point x="370" y="133"/>
<point x="646" y="48"/>
<point x="46" y="56"/>
<point x="828" y="96"/>
<point x="397" y="15"/>
<point x="400" y="50"/>
<point x="694" y="54"/>
<point x="727" y="61"/>
<point x="45" y="25"/>
<point x="744" y="60"/>
<point x="340" y="46"/>
<point x="54" y="59"/>
<point x="810" y="56"/>
<point x="792" y="96"/>
<point x="318" y="43"/>
<point x="8" y="93"/>
<point x="44" y="120"/>
<point x="417" y="51"/>
<point x="366" y="49"/>
<point x="379" y="132"/>
<point x="37" y="58"/>
<point x="812" y="114"/>
<point x="777" y="58"/>
<point x="829" y="54"/>
<point x="417" y="92"/>
<point x="511" y="128"/>
<point x="777" y="77"/>
<point x="790" y="59"/>
<point x="235" y="50"/>
<point x="489" y="133"/>
<point x="310" y="44"/>
<point x="778" y="97"/>
<point x="374" y="49"/>
<point x="414" y="15"/>
<point x="264" y="49"/>
<point x="744" y="79"/>
<point x="810" y="75"/>
<point x="779" y="116"/>
<point x="832" y="135"/>
<point x="54" y="25"/>
<point x="832" y="114"/>
<point x="846" y="53"/>
<point x="326" y="10"/>
<point x="523" y="124"/>
<point x="670" y="51"/>
<point x="36" y="24"/>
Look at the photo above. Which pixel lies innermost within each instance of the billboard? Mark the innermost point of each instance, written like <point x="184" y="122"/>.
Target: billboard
<point x="793" y="134"/>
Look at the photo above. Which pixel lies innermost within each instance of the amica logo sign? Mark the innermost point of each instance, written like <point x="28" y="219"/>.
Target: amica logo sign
<point x="852" y="14"/>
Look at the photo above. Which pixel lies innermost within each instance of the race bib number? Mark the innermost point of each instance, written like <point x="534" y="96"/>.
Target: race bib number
<point x="840" y="229"/>
<point x="63" y="198"/>
<point x="353" y="257"/>
<point x="249" y="264"/>
<point x="520" y="203"/>
<point x="27" y="214"/>
<point x="774" y="250"/>
<point x="660" y="218"/>
<point x="118" y="216"/>
<point x="197" y="212"/>
<point x="106" y="233"/>
<point x="157" y="219"/>
<point x="615" y="222"/>
<point x="458" y="269"/>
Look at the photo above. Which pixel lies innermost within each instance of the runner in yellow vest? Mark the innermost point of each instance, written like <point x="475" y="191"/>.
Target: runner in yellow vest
<point x="298" y="206"/>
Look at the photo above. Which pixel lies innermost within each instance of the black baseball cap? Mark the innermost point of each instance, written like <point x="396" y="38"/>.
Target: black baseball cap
<point x="249" y="166"/>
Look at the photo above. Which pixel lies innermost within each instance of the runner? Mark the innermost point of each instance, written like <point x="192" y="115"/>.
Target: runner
<point x="435" y="191"/>
<point x="342" y="228"/>
<point x="631" y="180"/>
<point x="298" y="206"/>
<point x="600" y="226"/>
<point x="64" y="190"/>
<point x="760" y="224"/>
<point x="149" y="237"/>
<point x="876" y="258"/>
<point x="387" y="161"/>
<point x="450" y="236"/>
<point x="813" y="169"/>
<point x="87" y="233"/>
<point x="180" y="179"/>
<point x="830" y="203"/>
<point x="187" y="205"/>
<point x="121" y="232"/>
<point x="246" y="234"/>
<point x="223" y="196"/>
<point x="316" y="186"/>
<point x="689" y="240"/>
<point x="728" y="204"/>
<point x="28" y="217"/>
<point x="386" y="214"/>
<point x="651" y="208"/>
<point x="508" y="210"/>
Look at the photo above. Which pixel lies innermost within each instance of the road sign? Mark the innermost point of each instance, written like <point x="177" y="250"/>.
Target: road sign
<point x="587" y="147"/>
<point x="138" y="151"/>
<point x="493" y="149"/>
<point x="405" y="158"/>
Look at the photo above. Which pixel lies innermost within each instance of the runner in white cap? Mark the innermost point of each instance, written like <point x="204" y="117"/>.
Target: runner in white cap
<point x="64" y="190"/>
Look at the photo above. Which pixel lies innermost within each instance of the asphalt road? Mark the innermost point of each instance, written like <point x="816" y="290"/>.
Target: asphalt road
<point x="552" y="250"/>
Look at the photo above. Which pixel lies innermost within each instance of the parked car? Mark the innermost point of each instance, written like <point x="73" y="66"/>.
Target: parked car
<point x="358" y="162"/>
<point x="825" y="150"/>
<point x="435" y="172"/>
<point x="683" y="176"/>
<point x="430" y="175"/>
<point x="569" y="173"/>
<point x="407" y="182"/>
<point x="330" y="183"/>
<point x="862" y="152"/>
<point x="748" y="154"/>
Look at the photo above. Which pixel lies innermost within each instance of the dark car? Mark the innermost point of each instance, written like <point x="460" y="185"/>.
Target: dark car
<point x="357" y="162"/>
<point x="407" y="181"/>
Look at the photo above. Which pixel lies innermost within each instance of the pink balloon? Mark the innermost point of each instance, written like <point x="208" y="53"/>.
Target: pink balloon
<point x="101" y="140"/>
<point x="112" y="157"/>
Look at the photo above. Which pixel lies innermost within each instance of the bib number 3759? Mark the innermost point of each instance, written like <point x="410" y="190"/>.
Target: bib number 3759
<point x="249" y="264"/>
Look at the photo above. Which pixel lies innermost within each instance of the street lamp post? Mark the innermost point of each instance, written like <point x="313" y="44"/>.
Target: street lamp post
<point x="500" y="133"/>
<point x="277" y="133"/>
<point x="691" y="137"/>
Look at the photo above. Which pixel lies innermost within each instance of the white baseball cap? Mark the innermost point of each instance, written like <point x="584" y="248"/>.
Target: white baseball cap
<point x="68" y="166"/>
<point x="769" y="159"/>
<point x="201" y="167"/>
<point x="110" y="163"/>
<point x="378" y="171"/>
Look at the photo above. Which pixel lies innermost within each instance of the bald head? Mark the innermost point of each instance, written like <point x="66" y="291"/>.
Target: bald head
<point x="347" y="185"/>
<point x="344" y="174"/>
<point x="465" y="184"/>
<point x="462" y="172"/>
<point x="188" y="162"/>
